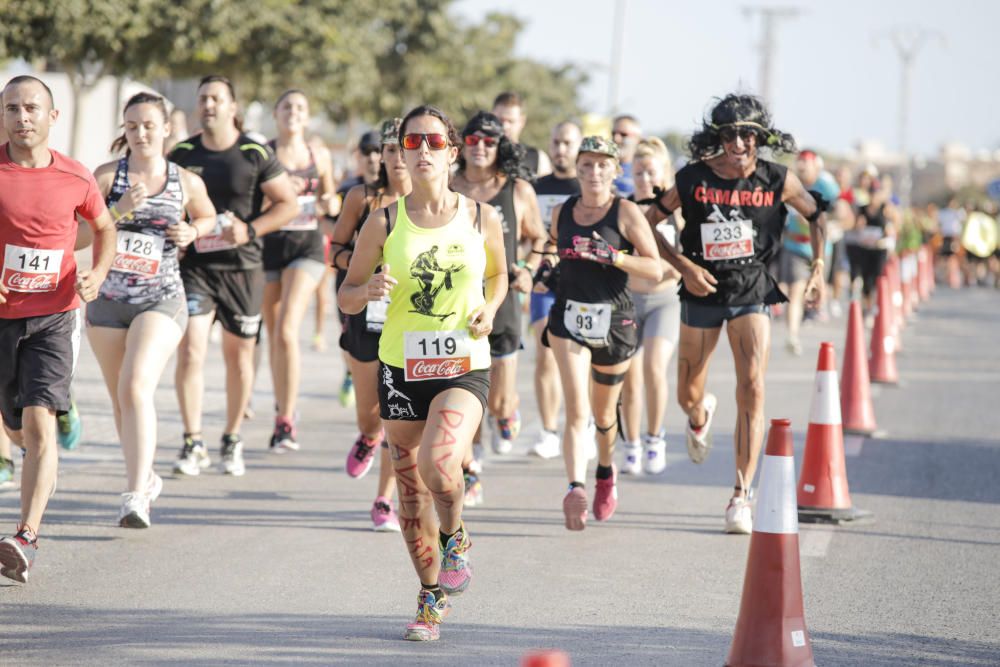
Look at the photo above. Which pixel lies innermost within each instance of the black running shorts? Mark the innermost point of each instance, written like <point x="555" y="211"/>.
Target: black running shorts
<point x="411" y="401"/>
<point x="38" y="358"/>
<point x="235" y="296"/>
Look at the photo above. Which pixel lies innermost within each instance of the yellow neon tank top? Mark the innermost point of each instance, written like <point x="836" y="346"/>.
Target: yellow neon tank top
<point x="440" y="275"/>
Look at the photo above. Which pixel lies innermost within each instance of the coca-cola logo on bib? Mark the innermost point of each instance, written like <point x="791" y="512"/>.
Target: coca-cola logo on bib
<point x="437" y="369"/>
<point x="30" y="282"/>
<point x="133" y="264"/>
<point x="729" y="249"/>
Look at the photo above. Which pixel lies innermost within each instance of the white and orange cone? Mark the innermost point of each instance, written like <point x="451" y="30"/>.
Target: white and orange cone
<point x="771" y="629"/>
<point x="856" y="407"/>
<point x="824" y="496"/>
<point x="882" y="360"/>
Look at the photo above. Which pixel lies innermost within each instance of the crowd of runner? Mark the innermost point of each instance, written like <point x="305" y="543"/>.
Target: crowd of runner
<point x="453" y="251"/>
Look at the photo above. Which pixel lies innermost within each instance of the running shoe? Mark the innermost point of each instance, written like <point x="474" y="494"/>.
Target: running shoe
<point x="739" y="519"/>
<point x="154" y="487"/>
<point x="6" y="473"/>
<point x="134" y="512"/>
<point x="456" y="571"/>
<point x="590" y="440"/>
<point x="794" y="347"/>
<point x="193" y="458"/>
<point x="362" y="456"/>
<point x="503" y="433"/>
<point x="632" y="464"/>
<point x="478" y="456"/>
<point x="473" y="489"/>
<point x="232" y="456"/>
<point x="283" y="438"/>
<point x="384" y="519"/>
<point x="575" y="508"/>
<point x="347" y="391"/>
<point x="17" y="555"/>
<point x="548" y="445"/>
<point x="69" y="428"/>
<point x="654" y="454"/>
<point x="606" y="496"/>
<point x="431" y="611"/>
<point x="699" y="440"/>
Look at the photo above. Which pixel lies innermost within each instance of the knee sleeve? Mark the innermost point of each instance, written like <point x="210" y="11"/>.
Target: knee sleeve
<point x="609" y="379"/>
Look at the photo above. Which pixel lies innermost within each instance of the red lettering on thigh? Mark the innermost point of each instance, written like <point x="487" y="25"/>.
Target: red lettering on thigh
<point x="452" y="418"/>
<point x="406" y="478"/>
<point x="410" y="524"/>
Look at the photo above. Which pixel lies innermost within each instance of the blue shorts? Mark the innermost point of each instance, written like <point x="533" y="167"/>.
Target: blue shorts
<point x="710" y="316"/>
<point x="541" y="304"/>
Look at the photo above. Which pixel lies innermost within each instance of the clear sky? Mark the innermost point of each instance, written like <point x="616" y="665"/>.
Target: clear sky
<point x="836" y="75"/>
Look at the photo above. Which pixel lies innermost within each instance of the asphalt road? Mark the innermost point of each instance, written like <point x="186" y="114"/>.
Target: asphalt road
<point x="281" y="566"/>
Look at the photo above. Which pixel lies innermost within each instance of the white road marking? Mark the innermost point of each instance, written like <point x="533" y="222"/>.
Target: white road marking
<point x="853" y="445"/>
<point x="815" y="541"/>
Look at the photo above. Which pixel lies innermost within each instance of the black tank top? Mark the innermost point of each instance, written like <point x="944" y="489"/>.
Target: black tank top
<point x="582" y="279"/>
<point x="552" y="191"/>
<point x="301" y="236"/>
<point x="737" y="223"/>
<point x="508" y="315"/>
<point x="876" y="219"/>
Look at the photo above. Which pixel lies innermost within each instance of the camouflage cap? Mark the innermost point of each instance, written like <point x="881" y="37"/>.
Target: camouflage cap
<point x="390" y="131"/>
<point x="601" y="146"/>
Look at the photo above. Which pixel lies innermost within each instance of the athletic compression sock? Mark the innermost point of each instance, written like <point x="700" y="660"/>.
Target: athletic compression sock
<point x="604" y="472"/>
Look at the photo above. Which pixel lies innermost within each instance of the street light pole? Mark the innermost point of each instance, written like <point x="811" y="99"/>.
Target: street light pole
<point x="617" y="44"/>
<point x="908" y="41"/>
<point x="768" y="46"/>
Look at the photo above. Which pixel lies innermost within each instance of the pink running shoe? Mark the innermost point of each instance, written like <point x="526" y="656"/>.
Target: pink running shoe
<point x="362" y="455"/>
<point x="431" y="611"/>
<point x="606" y="496"/>
<point x="456" y="571"/>
<point x="575" y="508"/>
<point x="384" y="519"/>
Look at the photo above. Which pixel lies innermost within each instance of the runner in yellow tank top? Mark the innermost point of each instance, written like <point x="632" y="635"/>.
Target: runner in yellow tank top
<point x="437" y="249"/>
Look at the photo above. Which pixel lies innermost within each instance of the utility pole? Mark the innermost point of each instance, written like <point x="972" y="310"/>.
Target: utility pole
<point x="617" y="44"/>
<point x="908" y="41"/>
<point x="767" y="47"/>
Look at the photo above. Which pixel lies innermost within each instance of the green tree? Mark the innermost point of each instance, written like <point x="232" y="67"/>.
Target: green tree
<point x="357" y="61"/>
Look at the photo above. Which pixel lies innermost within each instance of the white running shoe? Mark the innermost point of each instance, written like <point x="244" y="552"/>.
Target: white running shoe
<point x="232" y="459"/>
<point x="700" y="441"/>
<point x="739" y="519"/>
<point x="548" y="445"/>
<point x="193" y="458"/>
<point x="654" y="454"/>
<point x="154" y="487"/>
<point x="590" y="440"/>
<point x="478" y="456"/>
<point x="134" y="512"/>
<point x="632" y="460"/>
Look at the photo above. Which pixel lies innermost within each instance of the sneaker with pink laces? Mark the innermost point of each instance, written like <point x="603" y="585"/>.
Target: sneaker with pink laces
<point x="606" y="496"/>
<point x="362" y="455"/>
<point x="456" y="571"/>
<point x="575" y="508"/>
<point x="384" y="519"/>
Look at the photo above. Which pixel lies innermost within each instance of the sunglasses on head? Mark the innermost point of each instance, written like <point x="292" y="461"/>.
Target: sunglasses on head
<point x="435" y="142"/>
<point x="474" y="139"/>
<point x="728" y="134"/>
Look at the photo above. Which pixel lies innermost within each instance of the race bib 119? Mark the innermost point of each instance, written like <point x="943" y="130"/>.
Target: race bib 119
<point x="436" y="355"/>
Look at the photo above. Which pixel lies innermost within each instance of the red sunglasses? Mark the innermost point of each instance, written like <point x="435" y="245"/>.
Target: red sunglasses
<point x="474" y="139"/>
<point x="435" y="142"/>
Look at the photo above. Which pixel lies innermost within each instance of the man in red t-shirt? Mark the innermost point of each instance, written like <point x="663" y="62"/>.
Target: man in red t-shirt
<point x="41" y="194"/>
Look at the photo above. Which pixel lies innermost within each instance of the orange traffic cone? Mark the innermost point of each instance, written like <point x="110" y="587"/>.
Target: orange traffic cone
<point x="855" y="388"/>
<point x="882" y="360"/>
<point x="771" y="629"/>
<point x="896" y="292"/>
<point x="925" y="272"/>
<point x="823" y="493"/>
<point x="545" y="659"/>
<point x="910" y="297"/>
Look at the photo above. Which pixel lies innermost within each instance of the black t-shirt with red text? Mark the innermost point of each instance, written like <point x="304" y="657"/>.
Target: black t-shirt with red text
<point x="733" y="228"/>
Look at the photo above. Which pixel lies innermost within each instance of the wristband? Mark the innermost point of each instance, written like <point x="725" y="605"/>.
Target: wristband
<point x="817" y="262"/>
<point x="116" y="215"/>
<point x="619" y="259"/>
<point x="251" y="232"/>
